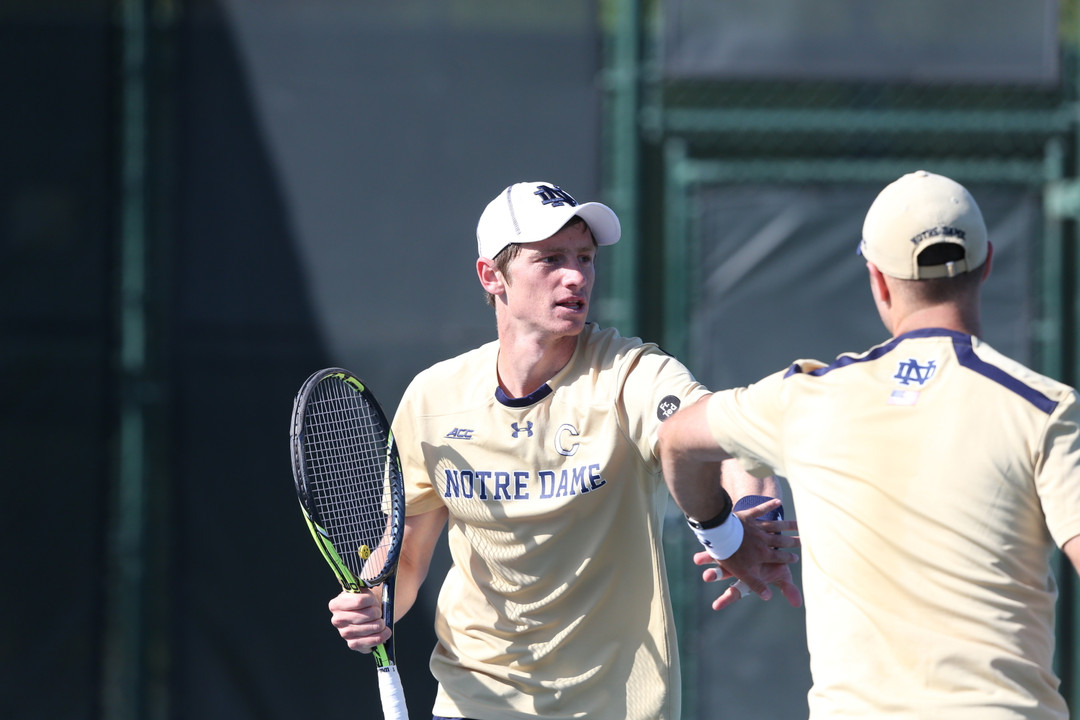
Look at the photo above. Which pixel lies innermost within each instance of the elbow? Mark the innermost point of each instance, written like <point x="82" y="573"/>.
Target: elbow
<point x="667" y="433"/>
<point x="662" y="434"/>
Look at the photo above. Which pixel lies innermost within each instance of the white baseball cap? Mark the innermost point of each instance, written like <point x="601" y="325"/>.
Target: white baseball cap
<point x="919" y="210"/>
<point x="529" y="212"/>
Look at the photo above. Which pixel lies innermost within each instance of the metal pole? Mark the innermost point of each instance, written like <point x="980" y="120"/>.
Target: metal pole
<point x="622" y="167"/>
<point x="124" y="692"/>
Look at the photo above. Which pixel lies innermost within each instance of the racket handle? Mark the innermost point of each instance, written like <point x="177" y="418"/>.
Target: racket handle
<point x="391" y="694"/>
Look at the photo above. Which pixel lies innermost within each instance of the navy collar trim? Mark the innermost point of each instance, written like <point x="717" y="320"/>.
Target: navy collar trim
<point x="534" y="397"/>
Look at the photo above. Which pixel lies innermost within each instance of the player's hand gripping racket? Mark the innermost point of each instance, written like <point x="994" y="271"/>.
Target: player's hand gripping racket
<point x="348" y="479"/>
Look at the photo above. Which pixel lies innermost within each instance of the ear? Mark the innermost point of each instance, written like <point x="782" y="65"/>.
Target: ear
<point x="878" y="286"/>
<point x="490" y="279"/>
<point x="989" y="260"/>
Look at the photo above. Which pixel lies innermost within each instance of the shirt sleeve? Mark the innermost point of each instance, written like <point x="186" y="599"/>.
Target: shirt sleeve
<point x="1057" y="476"/>
<point x="420" y="495"/>
<point x="656" y="385"/>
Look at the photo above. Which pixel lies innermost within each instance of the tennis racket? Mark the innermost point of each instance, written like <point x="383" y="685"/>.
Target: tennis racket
<point x="348" y="479"/>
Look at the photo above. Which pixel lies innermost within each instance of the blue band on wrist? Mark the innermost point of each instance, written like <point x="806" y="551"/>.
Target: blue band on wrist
<point x="748" y="501"/>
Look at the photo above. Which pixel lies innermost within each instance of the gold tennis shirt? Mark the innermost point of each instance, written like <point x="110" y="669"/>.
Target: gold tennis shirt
<point x="557" y="602"/>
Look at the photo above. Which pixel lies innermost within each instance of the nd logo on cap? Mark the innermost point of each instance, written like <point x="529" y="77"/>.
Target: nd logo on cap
<point x="529" y="212"/>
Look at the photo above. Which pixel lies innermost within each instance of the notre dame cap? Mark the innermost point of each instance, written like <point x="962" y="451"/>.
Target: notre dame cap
<point x="919" y="210"/>
<point x="529" y="212"/>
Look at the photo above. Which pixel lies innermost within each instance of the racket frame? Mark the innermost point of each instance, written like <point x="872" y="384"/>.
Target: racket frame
<point x="384" y="654"/>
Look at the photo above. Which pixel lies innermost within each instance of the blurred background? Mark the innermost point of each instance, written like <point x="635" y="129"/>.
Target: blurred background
<point x="203" y="201"/>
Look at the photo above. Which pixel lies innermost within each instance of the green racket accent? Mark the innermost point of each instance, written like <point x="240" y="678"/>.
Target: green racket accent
<point x="381" y="658"/>
<point x="348" y="581"/>
<point x="355" y="382"/>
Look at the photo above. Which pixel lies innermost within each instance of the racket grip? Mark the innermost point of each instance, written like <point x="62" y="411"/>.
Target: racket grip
<point x="391" y="694"/>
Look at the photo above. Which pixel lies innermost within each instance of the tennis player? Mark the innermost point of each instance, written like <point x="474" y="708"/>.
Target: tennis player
<point x="932" y="478"/>
<point x="539" y="451"/>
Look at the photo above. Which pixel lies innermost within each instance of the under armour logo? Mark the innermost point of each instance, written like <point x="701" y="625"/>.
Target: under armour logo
<point x="527" y="429"/>
<point x="911" y="371"/>
<point x="555" y="196"/>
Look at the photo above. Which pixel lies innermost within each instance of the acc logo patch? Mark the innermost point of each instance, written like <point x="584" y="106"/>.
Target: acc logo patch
<point x="667" y="407"/>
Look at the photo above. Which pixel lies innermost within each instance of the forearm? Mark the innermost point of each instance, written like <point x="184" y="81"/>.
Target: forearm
<point x="418" y="545"/>
<point x="742" y="486"/>
<point x="691" y="462"/>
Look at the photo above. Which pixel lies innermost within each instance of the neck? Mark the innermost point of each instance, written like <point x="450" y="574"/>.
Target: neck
<point x="525" y="364"/>
<point x="949" y="317"/>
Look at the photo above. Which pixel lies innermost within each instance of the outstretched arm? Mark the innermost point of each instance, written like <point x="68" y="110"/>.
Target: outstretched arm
<point x="739" y="484"/>
<point x="691" y="459"/>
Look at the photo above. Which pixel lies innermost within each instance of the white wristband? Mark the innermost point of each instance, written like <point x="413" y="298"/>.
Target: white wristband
<point x="723" y="540"/>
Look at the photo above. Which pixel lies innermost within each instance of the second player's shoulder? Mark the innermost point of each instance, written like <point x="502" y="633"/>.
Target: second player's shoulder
<point x="607" y="342"/>
<point x="1010" y="372"/>
<point x="605" y="349"/>
<point x="807" y="366"/>
<point x="883" y="352"/>
<point x="616" y="369"/>
<point x="606" y="359"/>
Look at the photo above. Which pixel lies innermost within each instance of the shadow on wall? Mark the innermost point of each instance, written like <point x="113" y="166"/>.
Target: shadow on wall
<point x="251" y="632"/>
<point x="286" y="141"/>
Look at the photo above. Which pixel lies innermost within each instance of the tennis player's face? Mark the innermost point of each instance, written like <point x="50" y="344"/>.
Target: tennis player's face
<point x="551" y="282"/>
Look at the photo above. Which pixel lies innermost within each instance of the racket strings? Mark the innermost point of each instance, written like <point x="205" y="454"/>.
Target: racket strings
<point x="350" y="477"/>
